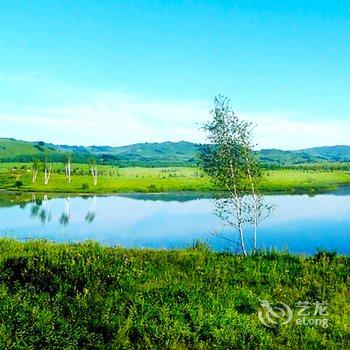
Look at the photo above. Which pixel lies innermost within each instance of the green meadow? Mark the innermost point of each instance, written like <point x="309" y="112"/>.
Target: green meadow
<point x="111" y="179"/>
<point x="85" y="296"/>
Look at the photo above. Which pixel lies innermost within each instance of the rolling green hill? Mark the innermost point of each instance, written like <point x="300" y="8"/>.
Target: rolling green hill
<point x="334" y="154"/>
<point x="276" y="156"/>
<point x="156" y="154"/>
<point x="11" y="149"/>
<point x="176" y="153"/>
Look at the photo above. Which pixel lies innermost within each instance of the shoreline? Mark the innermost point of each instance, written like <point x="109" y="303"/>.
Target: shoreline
<point x="293" y="191"/>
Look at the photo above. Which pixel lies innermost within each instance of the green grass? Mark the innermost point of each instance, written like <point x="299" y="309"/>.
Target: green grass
<point x="11" y="148"/>
<point x="137" y="179"/>
<point x="65" y="296"/>
<point x="304" y="180"/>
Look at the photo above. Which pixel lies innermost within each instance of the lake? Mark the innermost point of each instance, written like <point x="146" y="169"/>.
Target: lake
<point x="300" y="223"/>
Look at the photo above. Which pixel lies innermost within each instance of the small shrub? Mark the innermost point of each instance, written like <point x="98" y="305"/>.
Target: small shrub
<point x="324" y="255"/>
<point x="85" y="186"/>
<point x="152" y="188"/>
<point x="18" y="184"/>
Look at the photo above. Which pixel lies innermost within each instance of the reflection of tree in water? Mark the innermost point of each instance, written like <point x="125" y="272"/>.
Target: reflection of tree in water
<point x="34" y="210"/>
<point x="64" y="219"/>
<point x="43" y="213"/>
<point x="90" y="216"/>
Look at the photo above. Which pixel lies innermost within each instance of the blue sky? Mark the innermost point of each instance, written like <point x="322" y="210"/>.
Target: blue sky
<point x="119" y="72"/>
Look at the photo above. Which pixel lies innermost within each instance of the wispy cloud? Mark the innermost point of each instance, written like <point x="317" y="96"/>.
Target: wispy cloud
<point x="62" y="114"/>
<point x="290" y="130"/>
<point x="107" y="118"/>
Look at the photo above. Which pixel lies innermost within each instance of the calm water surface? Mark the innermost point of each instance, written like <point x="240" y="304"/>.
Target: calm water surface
<point x="300" y="223"/>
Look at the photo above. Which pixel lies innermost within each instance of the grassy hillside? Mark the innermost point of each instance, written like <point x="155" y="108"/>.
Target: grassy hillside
<point x="166" y="151"/>
<point x="157" y="154"/>
<point x="276" y="156"/>
<point x="10" y="148"/>
<point x="335" y="153"/>
<point x="151" y="153"/>
<point x="146" y="154"/>
<point x="87" y="296"/>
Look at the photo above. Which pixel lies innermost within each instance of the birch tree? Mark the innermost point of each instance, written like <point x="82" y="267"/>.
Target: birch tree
<point x="68" y="168"/>
<point x="229" y="160"/>
<point x="93" y="170"/>
<point x="36" y="165"/>
<point x="223" y="160"/>
<point x="47" y="172"/>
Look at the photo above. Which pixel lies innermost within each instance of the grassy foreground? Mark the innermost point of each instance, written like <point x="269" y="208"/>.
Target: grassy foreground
<point x="136" y="179"/>
<point x="65" y="296"/>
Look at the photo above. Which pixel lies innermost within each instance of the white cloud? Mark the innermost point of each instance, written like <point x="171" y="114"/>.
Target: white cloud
<point x="289" y="131"/>
<point x="83" y="116"/>
<point x="107" y="119"/>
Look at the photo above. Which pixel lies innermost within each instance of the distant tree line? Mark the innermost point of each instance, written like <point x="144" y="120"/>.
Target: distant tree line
<point x="103" y="159"/>
<point x="308" y="167"/>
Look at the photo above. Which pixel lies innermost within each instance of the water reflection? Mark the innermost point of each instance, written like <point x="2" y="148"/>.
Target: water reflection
<point x="91" y="215"/>
<point x="40" y="209"/>
<point x="45" y="213"/>
<point x="65" y="216"/>
<point x="34" y="210"/>
<point x="300" y="223"/>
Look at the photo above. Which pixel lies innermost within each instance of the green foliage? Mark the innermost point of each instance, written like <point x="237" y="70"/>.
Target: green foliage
<point x="70" y="296"/>
<point x="223" y="157"/>
<point x="85" y="186"/>
<point x="18" y="184"/>
<point x="228" y="158"/>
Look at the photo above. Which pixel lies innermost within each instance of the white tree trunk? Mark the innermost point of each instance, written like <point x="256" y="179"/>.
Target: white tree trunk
<point x="47" y="175"/>
<point x="34" y="175"/>
<point x="68" y="171"/>
<point x="94" y="175"/>
<point x="255" y="213"/>
<point x="240" y="223"/>
<point x="238" y="207"/>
